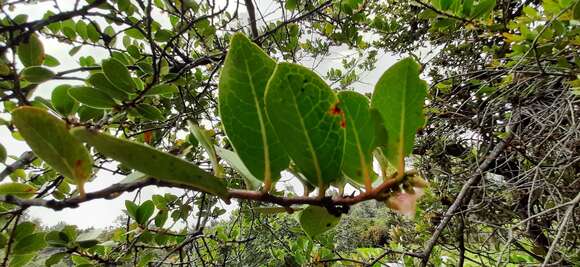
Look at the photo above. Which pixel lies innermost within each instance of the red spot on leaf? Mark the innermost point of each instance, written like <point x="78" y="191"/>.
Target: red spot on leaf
<point x="343" y="122"/>
<point x="335" y="109"/>
<point x="148" y="137"/>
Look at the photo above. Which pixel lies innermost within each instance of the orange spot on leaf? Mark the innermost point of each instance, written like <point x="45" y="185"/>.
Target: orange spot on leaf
<point x="148" y="137"/>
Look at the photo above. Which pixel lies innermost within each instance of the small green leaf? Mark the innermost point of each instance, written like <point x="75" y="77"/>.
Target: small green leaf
<point x="144" y="212"/>
<point x="316" y="220"/>
<point x="50" y="140"/>
<point x="163" y="35"/>
<point x="31" y="51"/>
<point x="29" y="244"/>
<point x="118" y="74"/>
<point x="360" y="137"/>
<point x="162" y="89"/>
<point x="21" y="260"/>
<point x="204" y="139"/>
<point x="483" y="8"/>
<point x="161" y="218"/>
<point x="93" y="33"/>
<point x="399" y="97"/>
<point x="576" y="14"/>
<point x="242" y="87"/>
<point x="3" y="154"/>
<point x="155" y="163"/>
<point x="81" y="29"/>
<point x="92" y="97"/>
<point x="291" y="4"/>
<point x="36" y="74"/>
<point x="149" y="112"/>
<point x="17" y="189"/>
<point x="445" y="4"/>
<point x="101" y="83"/>
<point x="87" y="113"/>
<point x="131" y="209"/>
<point x="50" y="61"/>
<point x="54" y="259"/>
<point x="89" y="239"/>
<point x="235" y="162"/>
<point x="305" y="115"/>
<point x="62" y="101"/>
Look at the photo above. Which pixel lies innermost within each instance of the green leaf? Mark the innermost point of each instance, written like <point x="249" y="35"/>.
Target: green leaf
<point x="31" y="51"/>
<point x="57" y="239"/>
<point x="576" y="14"/>
<point x="360" y="137"/>
<point x="291" y="4"/>
<point x="30" y="243"/>
<point x="131" y="209"/>
<point x="21" y="260"/>
<point x="3" y="154"/>
<point x="17" y="189"/>
<point x="93" y="33"/>
<point x="144" y="212"/>
<point x="161" y="218"/>
<point x="467" y="7"/>
<point x="399" y="97"/>
<point x="162" y="89"/>
<point x="54" y="259"/>
<point x="235" y="162"/>
<point x="148" y="160"/>
<point x="316" y="220"/>
<point x="204" y="139"/>
<point x="483" y="8"/>
<point x="101" y="83"/>
<point x="50" y="140"/>
<point x="50" y="61"/>
<point x="89" y="239"/>
<point x="303" y="110"/>
<point x="87" y="113"/>
<point x="81" y="29"/>
<point x="24" y="229"/>
<point x="445" y="4"/>
<point x="36" y="74"/>
<point x="92" y="97"/>
<point x="118" y="74"/>
<point x="242" y="87"/>
<point x="163" y="35"/>
<point x="149" y="112"/>
<point x="62" y="101"/>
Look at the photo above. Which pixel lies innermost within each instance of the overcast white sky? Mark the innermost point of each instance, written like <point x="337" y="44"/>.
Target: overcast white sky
<point x="102" y="213"/>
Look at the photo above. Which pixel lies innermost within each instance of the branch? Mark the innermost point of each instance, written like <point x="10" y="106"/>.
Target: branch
<point x="337" y="204"/>
<point x="25" y="159"/>
<point x="561" y="228"/>
<point x="252" y="15"/>
<point x="465" y="190"/>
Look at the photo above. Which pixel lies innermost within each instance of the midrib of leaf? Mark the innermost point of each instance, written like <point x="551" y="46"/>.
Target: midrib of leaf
<point x="71" y="170"/>
<point x="267" y="171"/>
<point x="363" y="162"/>
<point x="401" y="148"/>
<point x="310" y="147"/>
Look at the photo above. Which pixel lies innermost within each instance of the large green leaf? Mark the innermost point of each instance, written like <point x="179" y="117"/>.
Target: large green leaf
<point x="62" y="101"/>
<point x="316" y="220"/>
<point x="17" y="189"/>
<point x="50" y="140"/>
<point x="30" y="243"/>
<point x="150" y="161"/>
<point x="360" y="137"/>
<point x="305" y="114"/>
<point x="241" y="104"/>
<point x="101" y="83"/>
<point x="36" y="74"/>
<point x="31" y="51"/>
<point x="399" y="97"/>
<point x="92" y="97"/>
<point x="118" y="74"/>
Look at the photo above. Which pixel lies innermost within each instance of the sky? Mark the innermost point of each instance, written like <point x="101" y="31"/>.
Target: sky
<point x="102" y="213"/>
